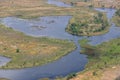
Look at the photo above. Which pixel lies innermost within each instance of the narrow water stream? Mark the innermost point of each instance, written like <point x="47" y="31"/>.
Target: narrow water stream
<point x="54" y="27"/>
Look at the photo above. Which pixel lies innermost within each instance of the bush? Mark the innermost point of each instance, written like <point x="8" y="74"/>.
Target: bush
<point x="71" y="76"/>
<point x="17" y="50"/>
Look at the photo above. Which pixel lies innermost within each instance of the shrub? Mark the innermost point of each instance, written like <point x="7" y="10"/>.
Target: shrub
<point x="17" y="50"/>
<point x="71" y="76"/>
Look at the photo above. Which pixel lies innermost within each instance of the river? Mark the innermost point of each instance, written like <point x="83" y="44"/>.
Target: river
<point x="54" y="27"/>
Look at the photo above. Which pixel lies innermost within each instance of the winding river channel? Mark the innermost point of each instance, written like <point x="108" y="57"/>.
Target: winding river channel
<point x="54" y="27"/>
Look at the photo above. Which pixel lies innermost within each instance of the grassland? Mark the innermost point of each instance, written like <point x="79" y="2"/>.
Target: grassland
<point x="26" y="51"/>
<point x="104" y="61"/>
<point x="103" y="55"/>
<point x="27" y="8"/>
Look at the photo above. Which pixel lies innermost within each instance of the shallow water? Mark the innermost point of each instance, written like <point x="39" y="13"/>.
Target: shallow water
<point x="58" y="3"/>
<point x="54" y="27"/>
<point x="4" y="60"/>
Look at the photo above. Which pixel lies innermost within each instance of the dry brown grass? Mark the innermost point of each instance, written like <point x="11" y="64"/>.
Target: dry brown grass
<point x="30" y="8"/>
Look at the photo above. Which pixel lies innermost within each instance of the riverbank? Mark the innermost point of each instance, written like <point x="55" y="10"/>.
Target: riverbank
<point x="26" y="51"/>
<point x="116" y="18"/>
<point x="104" y="61"/>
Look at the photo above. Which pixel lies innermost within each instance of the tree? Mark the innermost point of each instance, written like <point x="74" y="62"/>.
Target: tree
<point x="73" y="28"/>
<point x="17" y="50"/>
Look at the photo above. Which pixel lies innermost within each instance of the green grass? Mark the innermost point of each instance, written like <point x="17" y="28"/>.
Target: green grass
<point x="104" y="55"/>
<point x="26" y="51"/>
<point x="83" y="41"/>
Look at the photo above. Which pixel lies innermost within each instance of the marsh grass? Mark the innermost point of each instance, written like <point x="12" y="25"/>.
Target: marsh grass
<point x="27" y="51"/>
<point x="108" y="54"/>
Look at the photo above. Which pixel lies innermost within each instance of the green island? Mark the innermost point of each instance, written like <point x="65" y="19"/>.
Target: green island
<point x="88" y="24"/>
<point x="26" y="51"/>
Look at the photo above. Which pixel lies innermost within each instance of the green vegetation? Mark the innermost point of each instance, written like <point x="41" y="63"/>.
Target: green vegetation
<point x="83" y="42"/>
<point x="89" y="24"/>
<point x="88" y="49"/>
<point x="116" y="18"/>
<point x="104" y="55"/>
<point x="26" y="51"/>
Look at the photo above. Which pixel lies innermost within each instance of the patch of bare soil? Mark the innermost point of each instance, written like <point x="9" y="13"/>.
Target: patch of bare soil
<point x="108" y="74"/>
<point x="111" y="74"/>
